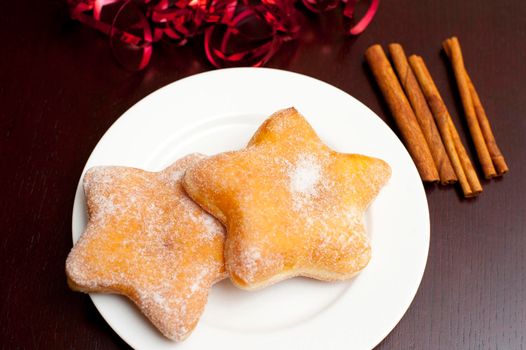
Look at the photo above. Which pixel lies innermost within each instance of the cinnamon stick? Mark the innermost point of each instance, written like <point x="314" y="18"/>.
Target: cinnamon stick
<point x="423" y="114"/>
<point x="402" y="113"/>
<point x="455" y="55"/>
<point x="496" y="156"/>
<point x="457" y="153"/>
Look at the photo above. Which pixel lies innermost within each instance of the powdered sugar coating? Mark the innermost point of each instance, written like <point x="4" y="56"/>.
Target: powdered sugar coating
<point x="148" y="240"/>
<point x="304" y="179"/>
<point x="305" y="175"/>
<point x="291" y="205"/>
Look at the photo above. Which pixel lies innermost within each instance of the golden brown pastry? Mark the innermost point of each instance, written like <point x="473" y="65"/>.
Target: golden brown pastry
<point x="290" y="204"/>
<point x="147" y="240"/>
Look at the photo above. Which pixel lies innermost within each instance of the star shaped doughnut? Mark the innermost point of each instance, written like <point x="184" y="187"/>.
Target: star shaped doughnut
<point x="290" y="204"/>
<point x="147" y="240"/>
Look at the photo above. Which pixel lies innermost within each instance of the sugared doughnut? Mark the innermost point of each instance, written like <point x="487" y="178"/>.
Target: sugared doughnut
<point x="290" y="204"/>
<point x="147" y="240"/>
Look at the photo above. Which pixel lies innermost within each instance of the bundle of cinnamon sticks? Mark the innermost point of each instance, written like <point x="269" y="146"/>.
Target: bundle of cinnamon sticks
<point x="424" y="121"/>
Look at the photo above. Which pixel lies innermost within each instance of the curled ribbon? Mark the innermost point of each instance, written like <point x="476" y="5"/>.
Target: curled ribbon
<point x="359" y="27"/>
<point x="236" y="32"/>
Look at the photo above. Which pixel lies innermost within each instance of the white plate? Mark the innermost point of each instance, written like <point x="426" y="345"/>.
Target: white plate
<point x="218" y="111"/>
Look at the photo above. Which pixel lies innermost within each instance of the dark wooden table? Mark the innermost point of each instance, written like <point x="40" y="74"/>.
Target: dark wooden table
<point x="60" y="89"/>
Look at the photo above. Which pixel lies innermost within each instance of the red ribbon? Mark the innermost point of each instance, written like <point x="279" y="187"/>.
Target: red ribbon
<point x="236" y="32"/>
<point x="359" y="27"/>
<point x="132" y="44"/>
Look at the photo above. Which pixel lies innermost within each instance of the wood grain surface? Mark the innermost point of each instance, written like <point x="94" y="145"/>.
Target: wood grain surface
<point x="60" y="89"/>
